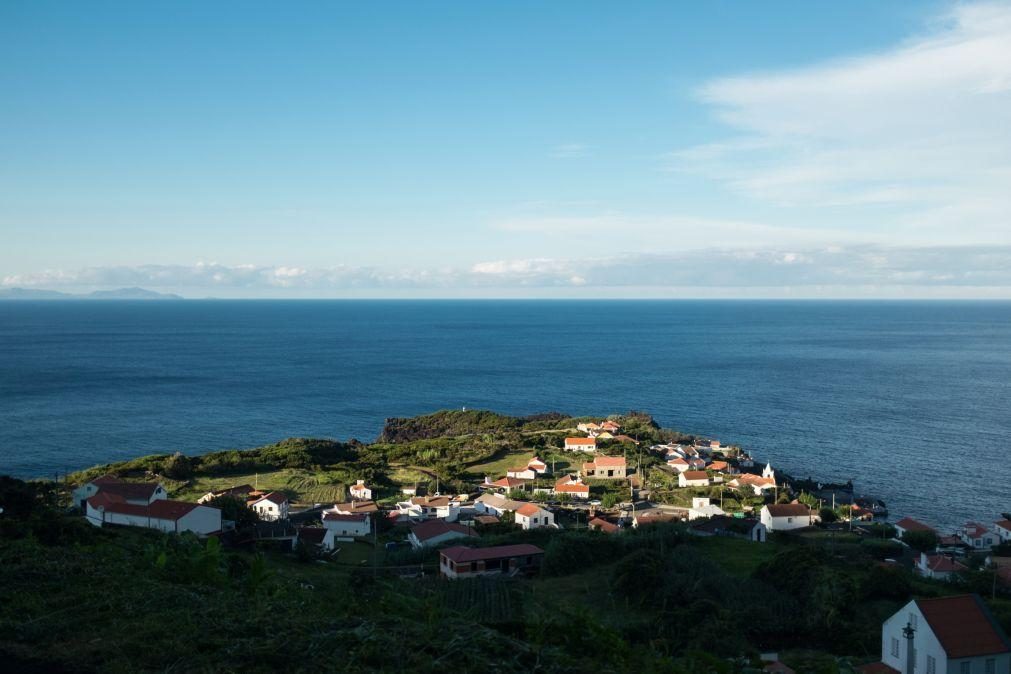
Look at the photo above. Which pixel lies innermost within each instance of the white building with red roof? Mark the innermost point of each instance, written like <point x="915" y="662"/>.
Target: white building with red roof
<point x="272" y="507"/>
<point x="136" y="493"/>
<point x="606" y="468"/>
<point x="693" y="478"/>
<point x="1003" y="530"/>
<point x="949" y="635"/>
<point x="359" y="490"/>
<point x="580" y="444"/>
<point x="461" y="562"/>
<point x="344" y="527"/>
<point x="787" y="516"/>
<point x="436" y="532"/>
<point x="572" y="485"/>
<point x="164" y="515"/>
<point x="939" y="567"/>
<point x="532" y="516"/>
<point x="977" y="536"/>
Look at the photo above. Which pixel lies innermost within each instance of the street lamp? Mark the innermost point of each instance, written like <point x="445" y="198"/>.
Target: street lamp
<point x="908" y="632"/>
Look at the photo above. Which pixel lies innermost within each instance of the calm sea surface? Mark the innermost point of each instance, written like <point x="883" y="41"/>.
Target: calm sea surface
<point x="910" y="399"/>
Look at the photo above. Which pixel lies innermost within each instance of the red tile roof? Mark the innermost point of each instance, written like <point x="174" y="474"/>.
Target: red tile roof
<point x="1004" y="524"/>
<point x="603" y="525"/>
<point x="128" y="490"/>
<point x="528" y="510"/>
<point x="432" y="528"/>
<point x="161" y="510"/>
<point x="909" y="524"/>
<point x="877" y="668"/>
<point x="610" y="461"/>
<point x="581" y="441"/>
<point x="510" y="482"/>
<point x="964" y="626"/>
<point x="277" y="497"/>
<point x="788" y="510"/>
<point x="460" y="553"/>
<point x="695" y="475"/>
<point x="943" y="564"/>
<point x="339" y="517"/>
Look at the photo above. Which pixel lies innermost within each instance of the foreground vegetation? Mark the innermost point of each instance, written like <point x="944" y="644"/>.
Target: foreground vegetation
<point x="77" y="598"/>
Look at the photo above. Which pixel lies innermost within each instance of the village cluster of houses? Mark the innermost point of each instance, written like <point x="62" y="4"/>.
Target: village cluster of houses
<point x="947" y="560"/>
<point x="437" y="519"/>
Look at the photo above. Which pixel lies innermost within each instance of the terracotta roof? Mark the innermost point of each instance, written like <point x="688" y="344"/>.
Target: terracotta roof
<point x="719" y="465"/>
<point x="580" y="441"/>
<point x="357" y="507"/>
<point x="1004" y="524"/>
<point x="610" y="461"/>
<point x="695" y="475"/>
<point x="568" y="484"/>
<point x="487" y="519"/>
<point x="431" y="501"/>
<point x="510" y="482"/>
<point x="943" y="564"/>
<point x="277" y="497"/>
<point x="536" y="462"/>
<point x="128" y="490"/>
<point x="432" y="528"/>
<point x="603" y="525"/>
<point x="877" y="668"/>
<point x="460" y="553"/>
<point x="909" y="524"/>
<point x="964" y="626"/>
<point x="975" y="530"/>
<point x="528" y="510"/>
<point x="161" y="509"/>
<point x="788" y="510"/>
<point x="329" y="516"/>
<point x="679" y="462"/>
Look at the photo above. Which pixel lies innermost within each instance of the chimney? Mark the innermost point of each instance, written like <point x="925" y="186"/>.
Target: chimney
<point x="908" y="632"/>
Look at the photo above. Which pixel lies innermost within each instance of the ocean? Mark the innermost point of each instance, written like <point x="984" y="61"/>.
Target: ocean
<point x="911" y="400"/>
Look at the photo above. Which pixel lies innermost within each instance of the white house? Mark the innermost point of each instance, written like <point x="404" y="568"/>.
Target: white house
<point x="693" y="478"/>
<point x="701" y="507"/>
<point x="272" y="507"/>
<point x="574" y="486"/>
<point x="539" y="466"/>
<point x="136" y="493"/>
<point x="977" y="536"/>
<point x="359" y="491"/>
<point x="531" y="516"/>
<point x="522" y="473"/>
<point x="580" y="444"/>
<point x="587" y="427"/>
<point x="240" y="492"/>
<point x="783" y="517"/>
<point x="496" y="504"/>
<point x="427" y="507"/>
<point x="1003" y="530"/>
<point x="341" y="527"/>
<point x="939" y="567"/>
<point x="947" y="635"/>
<point x="758" y="485"/>
<point x="161" y="514"/>
<point x="435" y="532"/>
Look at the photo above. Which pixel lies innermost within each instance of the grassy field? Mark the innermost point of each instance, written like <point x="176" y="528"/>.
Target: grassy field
<point x="498" y="466"/>
<point x="299" y="485"/>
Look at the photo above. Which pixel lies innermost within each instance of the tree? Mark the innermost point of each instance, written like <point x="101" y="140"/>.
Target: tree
<point x="235" y="509"/>
<point x="610" y="500"/>
<point x="827" y="515"/>
<point x="921" y="541"/>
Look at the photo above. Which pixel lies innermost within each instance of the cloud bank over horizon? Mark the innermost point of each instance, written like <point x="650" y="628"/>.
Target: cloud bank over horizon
<point x="851" y="270"/>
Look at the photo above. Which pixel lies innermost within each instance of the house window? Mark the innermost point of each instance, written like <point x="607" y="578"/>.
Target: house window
<point x="991" y="666"/>
<point x="931" y="665"/>
<point x="912" y="620"/>
<point x="789" y="520"/>
<point x="965" y="668"/>
<point x="895" y="647"/>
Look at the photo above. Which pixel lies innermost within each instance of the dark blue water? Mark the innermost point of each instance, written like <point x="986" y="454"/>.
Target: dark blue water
<point x="912" y="400"/>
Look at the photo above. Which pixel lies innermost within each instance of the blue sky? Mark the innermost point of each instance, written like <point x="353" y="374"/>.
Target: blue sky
<point x="507" y="149"/>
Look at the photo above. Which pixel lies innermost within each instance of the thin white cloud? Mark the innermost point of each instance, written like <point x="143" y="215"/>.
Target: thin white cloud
<point x="737" y="270"/>
<point x="569" y="151"/>
<point x="919" y="132"/>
